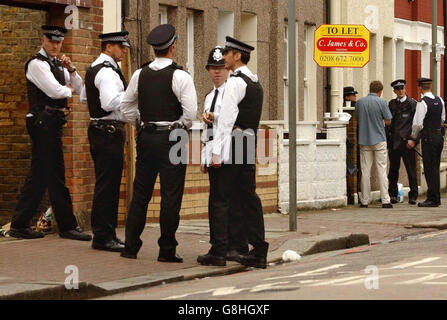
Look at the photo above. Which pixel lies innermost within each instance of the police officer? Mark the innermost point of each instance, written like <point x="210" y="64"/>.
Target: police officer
<point x="161" y="97"/>
<point x="427" y="124"/>
<point x="349" y="94"/>
<point x="104" y="89"/>
<point x="237" y="242"/>
<point x="240" y="114"/>
<point x="402" y="109"/>
<point x="50" y="82"/>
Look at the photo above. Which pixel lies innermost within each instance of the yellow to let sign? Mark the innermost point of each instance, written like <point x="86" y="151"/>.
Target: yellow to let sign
<point x="341" y="45"/>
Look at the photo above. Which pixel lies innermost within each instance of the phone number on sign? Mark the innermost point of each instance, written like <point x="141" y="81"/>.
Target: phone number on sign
<point x="342" y="59"/>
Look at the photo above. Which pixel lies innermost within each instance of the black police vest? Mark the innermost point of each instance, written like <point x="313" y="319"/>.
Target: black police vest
<point x="432" y="118"/>
<point x="37" y="99"/>
<point x="156" y="100"/>
<point x="250" y="108"/>
<point x="93" y="99"/>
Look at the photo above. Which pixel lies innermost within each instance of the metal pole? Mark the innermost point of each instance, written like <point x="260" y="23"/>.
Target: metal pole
<point x="292" y="115"/>
<point x="434" y="36"/>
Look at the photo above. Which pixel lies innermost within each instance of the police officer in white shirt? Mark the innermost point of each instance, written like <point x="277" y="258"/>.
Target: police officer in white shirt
<point x="239" y="116"/>
<point x="237" y="242"/>
<point x="103" y="91"/>
<point x="50" y="82"/>
<point x="161" y="97"/>
<point x="428" y="126"/>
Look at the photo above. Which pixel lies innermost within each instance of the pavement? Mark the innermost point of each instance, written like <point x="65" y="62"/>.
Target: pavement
<point x="40" y="268"/>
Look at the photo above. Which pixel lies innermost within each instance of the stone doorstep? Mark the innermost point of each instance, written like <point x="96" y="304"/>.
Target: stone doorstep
<point x="306" y="246"/>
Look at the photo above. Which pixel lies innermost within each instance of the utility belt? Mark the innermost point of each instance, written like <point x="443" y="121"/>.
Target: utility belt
<point x="152" y="127"/>
<point x="109" y="126"/>
<point x="429" y="131"/>
<point x="51" y="117"/>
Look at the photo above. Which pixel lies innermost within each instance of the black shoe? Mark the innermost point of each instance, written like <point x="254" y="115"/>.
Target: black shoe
<point x="393" y="200"/>
<point x="25" y="233"/>
<point x="212" y="260"/>
<point x="119" y="241"/>
<point x="111" y="245"/>
<point x="129" y="255"/>
<point x="233" y="255"/>
<point x="387" y="206"/>
<point x="412" y="201"/>
<point x="427" y="204"/>
<point x="75" y="234"/>
<point x="252" y="260"/>
<point x="363" y="206"/>
<point x="171" y="258"/>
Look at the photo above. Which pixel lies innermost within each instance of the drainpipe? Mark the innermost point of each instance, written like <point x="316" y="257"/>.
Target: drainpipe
<point x="336" y="94"/>
<point x="445" y="43"/>
<point x="434" y="41"/>
<point x="328" y="74"/>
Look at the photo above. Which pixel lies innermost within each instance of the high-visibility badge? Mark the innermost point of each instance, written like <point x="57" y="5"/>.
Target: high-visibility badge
<point x="342" y="46"/>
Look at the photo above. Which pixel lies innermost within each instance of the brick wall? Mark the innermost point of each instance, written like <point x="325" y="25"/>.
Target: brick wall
<point x="419" y="10"/>
<point x="83" y="46"/>
<point x="20" y="39"/>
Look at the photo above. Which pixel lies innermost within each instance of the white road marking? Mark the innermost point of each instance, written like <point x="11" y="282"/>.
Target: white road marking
<point x="309" y="273"/>
<point x="432" y="276"/>
<point x="411" y="264"/>
<point x="331" y="282"/>
<point x="226" y="291"/>
<point x="433" y="235"/>
<point x="421" y="267"/>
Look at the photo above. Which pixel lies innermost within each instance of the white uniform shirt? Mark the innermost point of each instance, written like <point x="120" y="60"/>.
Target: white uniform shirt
<point x="182" y="86"/>
<point x="421" y="111"/>
<point x="39" y="73"/>
<point x="234" y="93"/>
<point x="207" y="148"/>
<point x="111" y="89"/>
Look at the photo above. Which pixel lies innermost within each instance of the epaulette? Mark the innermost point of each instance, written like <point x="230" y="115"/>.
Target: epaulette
<point x="177" y="66"/>
<point x="145" y="64"/>
<point x="236" y="74"/>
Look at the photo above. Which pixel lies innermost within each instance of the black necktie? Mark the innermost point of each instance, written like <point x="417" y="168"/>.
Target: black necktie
<point x="213" y="104"/>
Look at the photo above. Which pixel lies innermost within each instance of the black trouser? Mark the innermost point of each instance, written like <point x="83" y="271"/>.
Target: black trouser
<point x="153" y="158"/>
<point x="237" y="187"/>
<point x="409" y="158"/>
<point x="107" y="149"/>
<point x="432" y="144"/>
<point x="225" y="215"/>
<point x="47" y="171"/>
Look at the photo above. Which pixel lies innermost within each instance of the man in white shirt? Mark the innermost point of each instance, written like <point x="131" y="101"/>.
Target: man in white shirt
<point x="50" y="82"/>
<point x="237" y="242"/>
<point x="103" y="91"/>
<point x="234" y="136"/>
<point x="160" y="98"/>
<point x="428" y="126"/>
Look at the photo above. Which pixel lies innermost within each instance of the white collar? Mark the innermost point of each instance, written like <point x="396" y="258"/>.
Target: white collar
<point x="222" y="86"/>
<point x="106" y="57"/>
<point x="44" y="53"/>
<point x="403" y="99"/>
<point x="429" y="94"/>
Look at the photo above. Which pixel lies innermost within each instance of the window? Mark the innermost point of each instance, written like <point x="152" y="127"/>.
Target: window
<point x="162" y="15"/>
<point x="190" y="43"/>
<point x="310" y="76"/>
<point x="249" y="35"/>
<point x="225" y="26"/>
<point x="425" y="60"/>
<point x="400" y="59"/>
